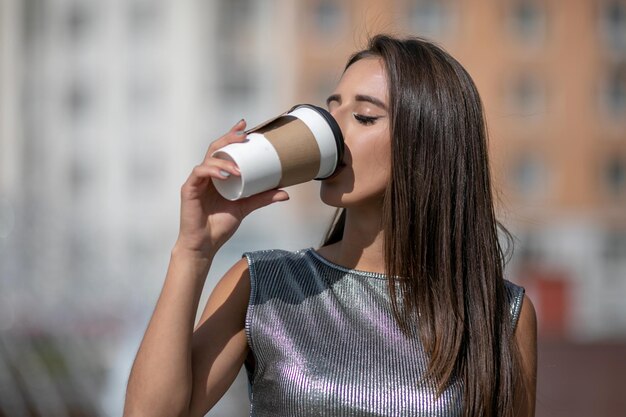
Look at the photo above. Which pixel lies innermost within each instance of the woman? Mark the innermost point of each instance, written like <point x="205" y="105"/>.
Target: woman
<point x="402" y="311"/>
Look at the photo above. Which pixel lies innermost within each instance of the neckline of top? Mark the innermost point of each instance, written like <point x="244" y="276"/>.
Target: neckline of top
<point x="341" y="268"/>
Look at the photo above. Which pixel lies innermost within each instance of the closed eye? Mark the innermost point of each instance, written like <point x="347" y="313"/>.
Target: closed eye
<point x="365" y="120"/>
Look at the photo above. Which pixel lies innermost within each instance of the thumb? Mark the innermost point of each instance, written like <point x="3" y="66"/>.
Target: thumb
<point x="263" y="199"/>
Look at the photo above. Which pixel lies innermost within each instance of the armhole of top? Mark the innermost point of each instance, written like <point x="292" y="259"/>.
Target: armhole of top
<point x="250" y="308"/>
<point x="516" y="299"/>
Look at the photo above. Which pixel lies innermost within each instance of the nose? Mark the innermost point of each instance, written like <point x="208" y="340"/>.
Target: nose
<point x="337" y="110"/>
<point x="338" y="114"/>
<point x="342" y="127"/>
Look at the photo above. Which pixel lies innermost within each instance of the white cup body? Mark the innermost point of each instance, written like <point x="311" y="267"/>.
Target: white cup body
<point x="258" y="164"/>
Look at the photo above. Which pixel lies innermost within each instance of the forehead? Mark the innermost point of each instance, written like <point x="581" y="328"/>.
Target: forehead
<point x="366" y="76"/>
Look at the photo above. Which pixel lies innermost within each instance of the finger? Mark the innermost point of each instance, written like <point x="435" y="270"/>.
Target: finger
<point x="234" y="135"/>
<point x="240" y="126"/>
<point x="231" y="137"/>
<point x="263" y="199"/>
<point x="226" y="167"/>
<point x="201" y="173"/>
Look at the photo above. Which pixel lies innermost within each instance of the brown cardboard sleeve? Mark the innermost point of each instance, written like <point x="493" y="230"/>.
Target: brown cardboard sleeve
<point x="296" y="146"/>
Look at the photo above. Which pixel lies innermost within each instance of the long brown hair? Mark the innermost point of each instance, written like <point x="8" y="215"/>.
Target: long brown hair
<point x="440" y="229"/>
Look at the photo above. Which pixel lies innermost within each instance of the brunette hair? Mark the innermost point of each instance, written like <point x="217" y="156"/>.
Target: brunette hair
<point x="443" y="259"/>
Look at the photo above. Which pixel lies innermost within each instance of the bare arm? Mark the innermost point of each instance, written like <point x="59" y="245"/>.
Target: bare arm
<point x="162" y="367"/>
<point x="219" y="345"/>
<point x="179" y="371"/>
<point x="526" y="338"/>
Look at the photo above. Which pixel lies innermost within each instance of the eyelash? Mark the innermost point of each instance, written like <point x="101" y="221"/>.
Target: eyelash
<point x="364" y="120"/>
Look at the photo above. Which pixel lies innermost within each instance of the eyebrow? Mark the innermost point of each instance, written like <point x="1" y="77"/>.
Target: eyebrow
<point x="359" y="97"/>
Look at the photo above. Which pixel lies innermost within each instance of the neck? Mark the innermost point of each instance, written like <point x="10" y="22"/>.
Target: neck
<point x="362" y="246"/>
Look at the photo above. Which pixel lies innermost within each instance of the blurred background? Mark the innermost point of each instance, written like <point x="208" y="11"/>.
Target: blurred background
<point x="105" y="106"/>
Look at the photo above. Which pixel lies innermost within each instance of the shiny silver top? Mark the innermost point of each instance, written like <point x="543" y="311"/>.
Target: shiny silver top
<point x="325" y="343"/>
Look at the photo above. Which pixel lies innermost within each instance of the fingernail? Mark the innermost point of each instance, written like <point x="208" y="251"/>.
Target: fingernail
<point x="236" y="168"/>
<point x="224" y="173"/>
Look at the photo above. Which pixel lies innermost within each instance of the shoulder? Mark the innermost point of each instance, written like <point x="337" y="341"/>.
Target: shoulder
<point x="268" y="263"/>
<point x="281" y="274"/>
<point x="526" y="329"/>
<point x="229" y="297"/>
<point x="272" y="259"/>
<point x="270" y="254"/>
<point x="527" y="322"/>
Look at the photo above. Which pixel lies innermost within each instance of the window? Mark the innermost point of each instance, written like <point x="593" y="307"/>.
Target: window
<point x="614" y="247"/>
<point x="145" y="16"/>
<point x="34" y="19"/>
<point x="232" y="12"/>
<point x="527" y="20"/>
<point x="236" y="83"/>
<point x="430" y="18"/>
<point x="528" y="175"/>
<point x="530" y="249"/>
<point x="614" y="175"/>
<point x="328" y="17"/>
<point x="613" y="91"/>
<point x="80" y="176"/>
<point x="526" y="95"/>
<point x="79" y="20"/>
<point x="613" y="23"/>
<point x="234" y="69"/>
<point x="78" y="100"/>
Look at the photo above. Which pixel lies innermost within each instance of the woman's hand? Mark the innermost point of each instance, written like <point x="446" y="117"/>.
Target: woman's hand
<point x="208" y="220"/>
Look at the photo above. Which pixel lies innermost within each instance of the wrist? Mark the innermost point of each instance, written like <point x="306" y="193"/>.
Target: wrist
<point x="180" y="251"/>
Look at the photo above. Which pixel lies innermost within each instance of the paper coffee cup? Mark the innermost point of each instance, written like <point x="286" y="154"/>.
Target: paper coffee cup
<point x="302" y="144"/>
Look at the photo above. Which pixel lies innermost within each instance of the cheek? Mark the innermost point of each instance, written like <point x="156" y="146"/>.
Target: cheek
<point x="373" y="152"/>
<point x="367" y="174"/>
<point x="372" y="166"/>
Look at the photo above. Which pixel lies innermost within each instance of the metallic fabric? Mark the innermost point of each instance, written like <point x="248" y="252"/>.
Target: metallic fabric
<point x="325" y="343"/>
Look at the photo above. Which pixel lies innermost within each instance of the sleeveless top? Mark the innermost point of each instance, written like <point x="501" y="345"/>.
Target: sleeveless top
<point x="325" y="343"/>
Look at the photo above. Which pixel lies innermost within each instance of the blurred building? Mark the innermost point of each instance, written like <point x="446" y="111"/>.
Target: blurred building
<point x="105" y="107"/>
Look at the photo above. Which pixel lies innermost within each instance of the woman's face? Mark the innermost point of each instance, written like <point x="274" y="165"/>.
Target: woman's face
<point x="360" y="106"/>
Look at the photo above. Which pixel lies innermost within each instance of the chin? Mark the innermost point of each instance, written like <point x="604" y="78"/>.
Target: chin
<point x="334" y="195"/>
